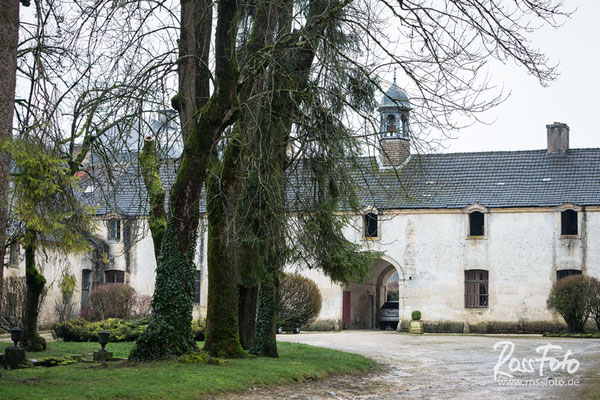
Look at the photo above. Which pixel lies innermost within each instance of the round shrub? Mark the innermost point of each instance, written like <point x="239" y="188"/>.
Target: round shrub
<point x="571" y="298"/>
<point x="416" y="315"/>
<point x="113" y="300"/>
<point x="299" y="300"/>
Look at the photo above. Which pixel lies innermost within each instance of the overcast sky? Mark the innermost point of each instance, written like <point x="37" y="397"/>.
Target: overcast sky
<point x="520" y="123"/>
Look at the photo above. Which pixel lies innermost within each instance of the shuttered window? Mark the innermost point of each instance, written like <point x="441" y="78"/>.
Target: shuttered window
<point x="476" y="288"/>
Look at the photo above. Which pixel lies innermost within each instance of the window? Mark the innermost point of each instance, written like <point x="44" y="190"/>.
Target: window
<point x="197" y="287"/>
<point x="85" y="286"/>
<point x="114" y="276"/>
<point x="114" y="229"/>
<point x="563" y="273"/>
<point x="390" y="123"/>
<point x="370" y="225"/>
<point x="476" y="224"/>
<point x="568" y="222"/>
<point x="476" y="288"/>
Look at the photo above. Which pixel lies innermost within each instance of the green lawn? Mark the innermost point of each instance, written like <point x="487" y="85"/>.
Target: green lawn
<point x="168" y="379"/>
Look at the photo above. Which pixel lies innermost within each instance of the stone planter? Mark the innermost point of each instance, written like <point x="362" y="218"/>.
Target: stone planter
<point x="416" y="327"/>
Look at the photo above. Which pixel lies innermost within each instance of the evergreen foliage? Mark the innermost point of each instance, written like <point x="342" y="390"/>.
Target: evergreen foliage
<point x="49" y="214"/>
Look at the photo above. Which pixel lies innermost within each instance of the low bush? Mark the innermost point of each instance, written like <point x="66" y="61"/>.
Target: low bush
<point x="113" y="300"/>
<point x="299" y="300"/>
<point x="416" y="315"/>
<point x="198" y="327"/>
<point x="571" y="297"/>
<point x="80" y="330"/>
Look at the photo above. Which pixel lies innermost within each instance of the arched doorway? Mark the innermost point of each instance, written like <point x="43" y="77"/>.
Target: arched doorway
<point x="363" y="300"/>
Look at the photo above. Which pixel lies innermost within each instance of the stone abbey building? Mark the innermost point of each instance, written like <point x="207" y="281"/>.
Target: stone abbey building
<point x="480" y="237"/>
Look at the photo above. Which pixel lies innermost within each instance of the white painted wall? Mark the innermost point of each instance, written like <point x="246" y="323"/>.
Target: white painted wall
<point x="522" y="251"/>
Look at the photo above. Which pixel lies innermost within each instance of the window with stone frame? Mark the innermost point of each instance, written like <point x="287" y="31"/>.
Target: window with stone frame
<point x="86" y="285"/>
<point x="476" y="223"/>
<point x="476" y="288"/>
<point x="563" y="273"/>
<point x="568" y="222"/>
<point x="370" y="223"/>
<point x="114" y="229"/>
<point x="114" y="276"/>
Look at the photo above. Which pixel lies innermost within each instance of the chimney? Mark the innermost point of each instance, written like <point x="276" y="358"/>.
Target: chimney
<point x="394" y="151"/>
<point x="558" y="138"/>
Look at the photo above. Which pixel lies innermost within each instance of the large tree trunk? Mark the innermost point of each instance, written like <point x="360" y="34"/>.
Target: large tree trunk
<point x="169" y="333"/>
<point x="224" y="188"/>
<point x="247" y="304"/>
<point x="222" y="338"/>
<point x="35" y="281"/>
<point x="9" y="40"/>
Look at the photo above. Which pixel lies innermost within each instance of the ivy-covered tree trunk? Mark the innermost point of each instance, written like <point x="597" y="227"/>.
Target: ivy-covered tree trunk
<point x="247" y="305"/>
<point x="35" y="281"/>
<point x="9" y="40"/>
<point x="265" y="342"/>
<point x="169" y="332"/>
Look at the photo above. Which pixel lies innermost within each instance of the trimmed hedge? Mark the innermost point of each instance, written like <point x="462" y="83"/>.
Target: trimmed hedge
<point x="121" y="330"/>
<point x="80" y="330"/>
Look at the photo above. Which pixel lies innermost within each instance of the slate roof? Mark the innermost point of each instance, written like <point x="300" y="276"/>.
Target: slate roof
<point x="502" y="179"/>
<point x="530" y="178"/>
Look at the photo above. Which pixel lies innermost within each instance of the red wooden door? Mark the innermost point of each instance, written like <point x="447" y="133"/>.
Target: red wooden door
<point x="346" y="309"/>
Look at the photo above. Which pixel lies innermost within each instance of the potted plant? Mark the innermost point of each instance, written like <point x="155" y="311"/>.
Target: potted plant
<point x="416" y="326"/>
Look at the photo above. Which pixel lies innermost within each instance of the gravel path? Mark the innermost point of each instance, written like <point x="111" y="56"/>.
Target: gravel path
<point x="445" y="367"/>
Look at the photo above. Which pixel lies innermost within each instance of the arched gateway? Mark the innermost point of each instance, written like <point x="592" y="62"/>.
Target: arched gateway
<point x="363" y="300"/>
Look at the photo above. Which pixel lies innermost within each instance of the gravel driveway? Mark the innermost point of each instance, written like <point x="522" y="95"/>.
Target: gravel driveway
<point x="449" y="367"/>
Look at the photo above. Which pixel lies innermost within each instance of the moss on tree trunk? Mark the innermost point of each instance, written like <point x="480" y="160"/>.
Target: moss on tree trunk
<point x="247" y="304"/>
<point x="35" y="281"/>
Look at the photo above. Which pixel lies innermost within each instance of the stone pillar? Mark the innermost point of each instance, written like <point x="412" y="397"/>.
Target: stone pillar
<point x="14" y="357"/>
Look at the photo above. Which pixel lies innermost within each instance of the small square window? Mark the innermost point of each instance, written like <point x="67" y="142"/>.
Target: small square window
<point x="114" y="229"/>
<point x="476" y="224"/>
<point x="370" y="226"/>
<point x="568" y="222"/>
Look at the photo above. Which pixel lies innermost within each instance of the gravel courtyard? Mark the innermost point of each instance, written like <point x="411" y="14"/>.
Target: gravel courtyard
<point x="450" y="367"/>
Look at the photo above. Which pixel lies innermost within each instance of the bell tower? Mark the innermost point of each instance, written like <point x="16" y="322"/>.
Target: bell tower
<point x="394" y="130"/>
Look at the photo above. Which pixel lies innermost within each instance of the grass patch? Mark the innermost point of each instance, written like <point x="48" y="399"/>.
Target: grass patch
<point x="170" y="379"/>
<point x="573" y="335"/>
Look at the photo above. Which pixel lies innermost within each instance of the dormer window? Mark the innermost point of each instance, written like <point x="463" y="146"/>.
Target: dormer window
<point x="371" y="228"/>
<point x="568" y="222"/>
<point x="114" y="229"/>
<point x="476" y="224"/>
